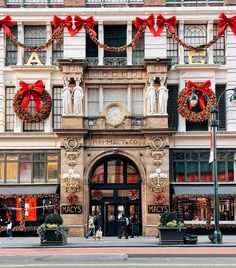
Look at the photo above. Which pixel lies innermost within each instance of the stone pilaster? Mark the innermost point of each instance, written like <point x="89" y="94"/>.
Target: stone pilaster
<point x="155" y="2"/>
<point x="229" y="2"/>
<point x="74" y="3"/>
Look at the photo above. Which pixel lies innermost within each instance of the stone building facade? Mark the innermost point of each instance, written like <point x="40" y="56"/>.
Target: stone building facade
<point x="116" y="157"/>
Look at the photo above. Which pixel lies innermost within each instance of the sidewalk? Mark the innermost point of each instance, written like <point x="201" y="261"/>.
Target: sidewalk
<point x="111" y="242"/>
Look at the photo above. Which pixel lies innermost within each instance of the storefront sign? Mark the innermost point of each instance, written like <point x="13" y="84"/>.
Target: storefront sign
<point x="117" y="142"/>
<point x="73" y="209"/>
<point x="156" y="209"/>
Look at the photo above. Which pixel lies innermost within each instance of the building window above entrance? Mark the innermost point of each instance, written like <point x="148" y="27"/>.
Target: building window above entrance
<point x="115" y="171"/>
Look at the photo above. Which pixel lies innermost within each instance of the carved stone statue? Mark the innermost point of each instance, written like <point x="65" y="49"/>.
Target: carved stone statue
<point x="66" y="99"/>
<point x="163" y="97"/>
<point x="78" y="97"/>
<point x="151" y="95"/>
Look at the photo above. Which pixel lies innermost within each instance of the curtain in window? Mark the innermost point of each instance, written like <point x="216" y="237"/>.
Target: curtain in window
<point x="93" y="101"/>
<point x="118" y="95"/>
<point x="137" y="100"/>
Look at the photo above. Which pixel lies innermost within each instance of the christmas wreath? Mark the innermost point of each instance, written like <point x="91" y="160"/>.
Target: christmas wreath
<point x="41" y="98"/>
<point x="133" y="194"/>
<point x="158" y="198"/>
<point x="204" y="93"/>
<point x="97" y="195"/>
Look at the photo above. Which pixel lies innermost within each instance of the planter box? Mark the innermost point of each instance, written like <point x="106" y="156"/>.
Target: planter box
<point x="51" y="239"/>
<point x="171" y="235"/>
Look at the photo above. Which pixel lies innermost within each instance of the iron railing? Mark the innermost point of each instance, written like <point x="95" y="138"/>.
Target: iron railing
<point x="114" y="2"/>
<point x="34" y="2"/>
<point x="114" y="61"/>
<point x="194" y="2"/>
<point x="92" y="61"/>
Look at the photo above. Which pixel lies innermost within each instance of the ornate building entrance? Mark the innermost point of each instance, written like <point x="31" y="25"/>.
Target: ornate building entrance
<point x="115" y="189"/>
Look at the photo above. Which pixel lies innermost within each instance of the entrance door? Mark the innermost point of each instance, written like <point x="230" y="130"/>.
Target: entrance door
<point x="113" y="214"/>
<point x="115" y="189"/>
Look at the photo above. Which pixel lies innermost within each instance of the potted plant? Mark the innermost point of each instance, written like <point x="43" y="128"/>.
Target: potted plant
<point x="171" y="229"/>
<point x="53" y="231"/>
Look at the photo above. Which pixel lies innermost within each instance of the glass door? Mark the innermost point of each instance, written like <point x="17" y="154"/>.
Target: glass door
<point x="113" y="215"/>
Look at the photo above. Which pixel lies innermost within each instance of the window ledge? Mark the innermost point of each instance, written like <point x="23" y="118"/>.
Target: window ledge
<point x="197" y="66"/>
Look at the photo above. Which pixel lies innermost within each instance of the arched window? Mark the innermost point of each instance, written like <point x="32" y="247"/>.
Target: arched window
<point x="195" y="35"/>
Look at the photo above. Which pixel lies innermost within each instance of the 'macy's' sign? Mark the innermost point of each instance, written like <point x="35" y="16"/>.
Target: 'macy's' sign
<point x="72" y="209"/>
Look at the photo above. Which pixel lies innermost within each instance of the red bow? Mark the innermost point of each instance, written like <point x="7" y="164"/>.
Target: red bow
<point x="200" y="90"/>
<point x="224" y="22"/>
<point x="5" y="24"/>
<point x="161" y="23"/>
<point x="27" y="90"/>
<point x="78" y="23"/>
<point x="150" y="21"/>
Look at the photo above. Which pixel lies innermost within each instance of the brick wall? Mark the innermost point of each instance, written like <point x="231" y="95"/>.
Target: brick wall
<point x="230" y="2"/>
<point x="74" y="3"/>
<point x="155" y="2"/>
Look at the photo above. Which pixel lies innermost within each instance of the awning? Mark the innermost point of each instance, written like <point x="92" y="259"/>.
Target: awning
<point x="203" y="189"/>
<point x="27" y="189"/>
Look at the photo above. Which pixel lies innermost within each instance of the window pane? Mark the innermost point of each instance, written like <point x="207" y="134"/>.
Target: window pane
<point x="39" y="156"/>
<point x="52" y="171"/>
<point x="12" y="157"/>
<point x="57" y="49"/>
<point x="98" y="175"/>
<point x="35" y="36"/>
<point x="132" y="175"/>
<point x="221" y="171"/>
<point x="115" y="171"/>
<point x="39" y="172"/>
<point x="179" y="172"/>
<point x="57" y="107"/>
<point x="137" y="101"/>
<point x="192" y="172"/>
<point x="9" y="113"/>
<point x="52" y="157"/>
<point x="1" y="171"/>
<point x="25" y="172"/>
<point x="93" y="101"/>
<point x="12" y="172"/>
<point x="115" y="95"/>
<point x="231" y="171"/>
<point x="138" y="50"/>
<point x="206" y="172"/>
<point x="11" y="48"/>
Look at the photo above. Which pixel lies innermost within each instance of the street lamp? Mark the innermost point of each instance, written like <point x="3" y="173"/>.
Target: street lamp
<point x="193" y="100"/>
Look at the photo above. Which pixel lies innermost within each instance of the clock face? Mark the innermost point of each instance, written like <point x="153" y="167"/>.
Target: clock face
<point x="114" y="115"/>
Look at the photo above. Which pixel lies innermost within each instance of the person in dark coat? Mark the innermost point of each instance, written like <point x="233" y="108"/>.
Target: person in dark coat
<point x="98" y="221"/>
<point x="134" y="226"/>
<point x="124" y="227"/>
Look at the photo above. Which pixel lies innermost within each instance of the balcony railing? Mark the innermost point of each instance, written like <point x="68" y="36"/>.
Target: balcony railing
<point x="115" y="61"/>
<point x="34" y="2"/>
<point x="92" y="61"/>
<point x="114" y="2"/>
<point x="194" y="2"/>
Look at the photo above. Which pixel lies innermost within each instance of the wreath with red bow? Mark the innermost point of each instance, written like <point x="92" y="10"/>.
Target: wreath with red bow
<point x="41" y="98"/>
<point x="97" y="195"/>
<point x="158" y="198"/>
<point x="206" y="101"/>
<point x="73" y="199"/>
<point x="133" y="194"/>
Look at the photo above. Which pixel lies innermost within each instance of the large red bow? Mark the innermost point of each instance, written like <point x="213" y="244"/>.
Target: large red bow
<point x="150" y="21"/>
<point x="78" y="23"/>
<point x="161" y="23"/>
<point x="200" y="90"/>
<point x="224" y="22"/>
<point x="5" y="24"/>
<point x="26" y="90"/>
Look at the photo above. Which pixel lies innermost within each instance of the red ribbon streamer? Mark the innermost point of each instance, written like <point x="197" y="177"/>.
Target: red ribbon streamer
<point x="26" y="90"/>
<point x="150" y="21"/>
<point x="224" y="22"/>
<point x="78" y="23"/>
<point x="5" y="24"/>
<point x="200" y="90"/>
<point x="161" y="23"/>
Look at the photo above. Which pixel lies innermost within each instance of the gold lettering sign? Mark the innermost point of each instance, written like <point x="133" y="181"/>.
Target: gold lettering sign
<point x="72" y="185"/>
<point x="201" y="56"/>
<point x="34" y="59"/>
<point x="116" y="142"/>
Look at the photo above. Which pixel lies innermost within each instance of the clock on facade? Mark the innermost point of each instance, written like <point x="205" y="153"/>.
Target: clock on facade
<point x="115" y="114"/>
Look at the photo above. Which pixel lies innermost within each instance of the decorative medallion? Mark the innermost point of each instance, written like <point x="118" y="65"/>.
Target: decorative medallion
<point x="97" y="195"/>
<point x="133" y="194"/>
<point x="115" y="114"/>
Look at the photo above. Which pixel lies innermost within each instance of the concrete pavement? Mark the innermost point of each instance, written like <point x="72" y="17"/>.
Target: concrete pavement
<point x="111" y="242"/>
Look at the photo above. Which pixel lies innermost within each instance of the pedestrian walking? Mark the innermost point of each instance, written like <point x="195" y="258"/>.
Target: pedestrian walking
<point x="124" y="227"/>
<point x="98" y="221"/>
<point x="9" y="228"/>
<point x="134" y="226"/>
<point x="91" y="226"/>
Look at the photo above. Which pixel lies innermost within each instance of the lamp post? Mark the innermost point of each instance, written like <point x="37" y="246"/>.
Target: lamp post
<point x="217" y="236"/>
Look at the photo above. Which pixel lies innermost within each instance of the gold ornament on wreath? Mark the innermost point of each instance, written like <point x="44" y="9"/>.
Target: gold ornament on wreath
<point x="206" y="101"/>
